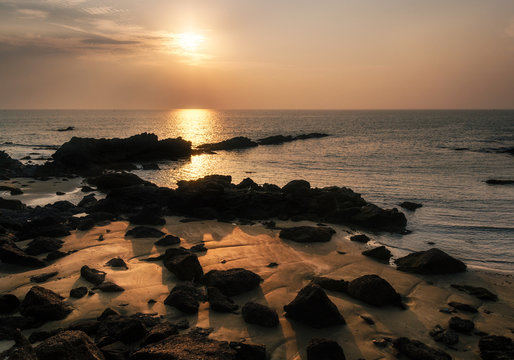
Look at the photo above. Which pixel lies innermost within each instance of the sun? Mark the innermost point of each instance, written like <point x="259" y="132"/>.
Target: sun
<point x="189" y="42"/>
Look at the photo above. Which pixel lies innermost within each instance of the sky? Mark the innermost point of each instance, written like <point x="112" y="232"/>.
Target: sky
<point x="266" y="54"/>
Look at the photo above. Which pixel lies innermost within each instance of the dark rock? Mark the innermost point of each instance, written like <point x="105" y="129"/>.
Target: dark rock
<point x="314" y="135"/>
<point x="380" y="253"/>
<point x="331" y="284"/>
<point x="117" y="263"/>
<point x="183" y="263"/>
<point x="275" y="140"/>
<point x="94" y="276"/>
<point x="150" y="166"/>
<point x="272" y="265"/>
<point x="69" y="345"/>
<point x="362" y="238"/>
<point x="22" y="350"/>
<point x="168" y="240"/>
<point x="186" y="347"/>
<point x="313" y="307"/>
<point x="463" y="307"/>
<point x="307" y="234"/>
<point x="198" y="248"/>
<point x="43" y="277"/>
<point x="499" y="182"/>
<point x="185" y="297"/>
<point x="494" y="347"/>
<point x="60" y="193"/>
<point x="109" y="286"/>
<point x="247" y="183"/>
<point x="296" y="186"/>
<point x="414" y="349"/>
<point x="433" y="261"/>
<point x="411" y="206"/>
<point x="12" y="254"/>
<point x="69" y="128"/>
<point x="254" y="313"/>
<point x="41" y="245"/>
<point x="86" y="223"/>
<point x="447" y="337"/>
<point x="479" y="292"/>
<point x="219" y="302"/>
<point x="144" y="232"/>
<point x="122" y="328"/>
<point x="87" y="201"/>
<point x="11" y="204"/>
<point x="150" y="215"/>
<point x="79" y="292"/>
<point x="368" y="320"/>
<point x="374" y="290"/>
<point x="86" y="189"/>
<point x="247" y="351"/>
<point x="44" y="304"/>
<point x="110" y="181"/>
<point x="9" y="324"/>
<point x="324" y="349"/>
<point x="38" y="336"/>
<point x="54" y="255"/>
<point x="115" y="351"/>
<point x="90" y="327"/>
<point x="233" y="281"/>
<point x="235" y="143"/>
<point x="160" y="332"/>
<point x="8" y="303"/>
<point x="461" y="325"/>
<point x="106" y="313"/>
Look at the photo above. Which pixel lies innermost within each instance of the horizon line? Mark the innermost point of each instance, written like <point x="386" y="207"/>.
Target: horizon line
<point x="257" y="109"/>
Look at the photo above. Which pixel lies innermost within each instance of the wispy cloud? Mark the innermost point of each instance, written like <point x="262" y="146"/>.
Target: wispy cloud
<point x="103" y="10"/>
<point x="30" y="14"/>
<point x="107" y="41"/>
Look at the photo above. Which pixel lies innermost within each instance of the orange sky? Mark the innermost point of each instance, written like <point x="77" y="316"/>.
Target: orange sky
<point x="395" y="54"/>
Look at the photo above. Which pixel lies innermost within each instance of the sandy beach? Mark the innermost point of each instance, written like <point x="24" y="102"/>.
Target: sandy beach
<point x="253" y="247"/>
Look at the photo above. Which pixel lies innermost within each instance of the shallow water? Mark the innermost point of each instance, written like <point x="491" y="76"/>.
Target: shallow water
<point x="387" y="156"/>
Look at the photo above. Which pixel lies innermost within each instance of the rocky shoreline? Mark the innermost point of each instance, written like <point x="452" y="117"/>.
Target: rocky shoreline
<point x="55" y="245"/>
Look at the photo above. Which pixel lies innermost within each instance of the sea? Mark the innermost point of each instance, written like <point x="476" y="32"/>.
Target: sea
<point x="440" y="159"/>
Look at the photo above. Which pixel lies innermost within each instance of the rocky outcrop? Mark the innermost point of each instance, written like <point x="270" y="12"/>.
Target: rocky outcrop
<point x="116" y="180"/>
<point x="160" y="332"/>
<point x="373" y="290"/>
<point x="414" y="349"/>
<point x="411" y="206"/>
<point x="12" y="254"/>
<point x="44" y="305"/>
<point x="69" y="345"/>
<point x="312" y="307"/>
<point x="446" y="336"/>
<point x="433" y="261"/>
<point x="233" y="281"/>
<point x="238" y="142"/>
<point x="307" y="234"/>
<point x="22" y="350"/>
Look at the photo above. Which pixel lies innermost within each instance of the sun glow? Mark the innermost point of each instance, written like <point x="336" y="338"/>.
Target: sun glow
<point x="189" y="42"/>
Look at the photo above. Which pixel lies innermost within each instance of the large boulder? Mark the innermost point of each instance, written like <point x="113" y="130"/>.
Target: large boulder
<point x="433" y="261"/>
<point x="160" y="332"/>
<point x="8" y="303"/>
<point x="373" y="217"/>
<point x="11" y="204"/>
<point x="307" y="234"/>
<point x="494" y="347"/>
<point x="127" y="329"/>
<point x="254" y="313"/>
<point x="374" y="290"/>
<point x="12" y="254"/>
<point x="44" y="305"/>
<point x="185" y="297"/>
<point x="233" y="281"/>
<point x="313" y="307"/>
<point x="186" y="347"/>
<point x="324" y="349"/>
<point x="183" y="263"/>
<point x="238" y="142"/>
<point x="69" y="345"/>
<point x="414" y="349"/>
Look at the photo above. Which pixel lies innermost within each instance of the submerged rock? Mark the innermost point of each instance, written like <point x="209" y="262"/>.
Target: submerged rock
<point x="78" y="292"/>
<point x="312" y="307"/>
<point x="433" y="261"/>
<point x="247" y="351"/>
<point x="43" y="277"/>
<point x="414" y="349"/>
<point x="463" y="307"/>
<point x="69" y="345"/>
<point x="374" y="290"/>
<point x="254" y="313"/>
<point x="324" y="349"/>
<point x="411" y="206"/>
<point x="44" y="304"/>
<point x="307" y="234"/>
<point x="109" y="286"/>
<point x="235" y="143"/>
<point x="499" y="182"/>
<point x="233" y="281"/>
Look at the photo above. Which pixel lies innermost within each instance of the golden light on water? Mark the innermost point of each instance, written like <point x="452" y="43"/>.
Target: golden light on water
<point x="195" y="125"/>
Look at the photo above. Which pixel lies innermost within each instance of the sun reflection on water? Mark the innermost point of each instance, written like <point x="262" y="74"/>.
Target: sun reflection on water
<point x="195" y="125"/>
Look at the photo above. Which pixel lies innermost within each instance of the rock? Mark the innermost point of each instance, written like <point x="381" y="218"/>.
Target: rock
<point x="87" y="201"/>
<point x="254" y="313"/>
<point x="304" y="234"/>
<point x="69" y="345"/>
<point x="115" y="351"/>
<point x="219" y="302"/>
<point x="198" y="248"/>
<point x="368" y="320"/>
<point x="84" y="153"/>
<point x="8" y="304"/>
<point x="380" y="253"/>
<point x="324" y="349"/>
<point x="248" y="183"/>
<point x="183" y="263"/>
<point x="150" y="166"/>
<point x="110" y="181"/>
<point x="127" y="329"/>
<point x="331" y="284"/>
<point x="38" y="336"/>
<point x="314" y="135"/>
<point x="296" y="186"/>
<point x="463" y="307"/>
<point x="44" y="305"/>
<point x="168" y="240"/>
<point x="374" y="290"/>
<point x="43" y="277"/>
<point x="479" y="292"/>
<point x="12" y="254"/>
<point x="54" y="255"/>
<point x="313" y="307"/>
<point x="69" y="128"/>
<point x="86" y="189"/>
<point x="21" y="350"/>
<point x="144" y="232"/>
<point x="149" y="215"/>
<point x="275" y="140"/>
<point x="94" y="276"/>
<point x="245" y="351"/>
<point x="362" y="238"/>
<point x="90" y="327"/>
<point x="117" y="263"/>
<point x="109" y="286"/>
<point x="372" y="217"/>
<point x="233" y="281"/>
<point x="411" y="206"/>
<point x="186" y="347"/>
<point x="8" y="325"/>
<point x="185" y="297"/>
<point x="78" y="292"/>
<point x="106" y="313"/>
<point x="433" y="261"/>
<point x="461" y="325"/>
<point x="41" y="245"/>
<point x="447" y="337"/>
<point x="11" y="204"/>
<point x="494" y="347"/>
<point x="499" y="182"/>
<point x="160" y="332"/>
<point x="235" y="143"/>
<point x="414" y="349"/>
